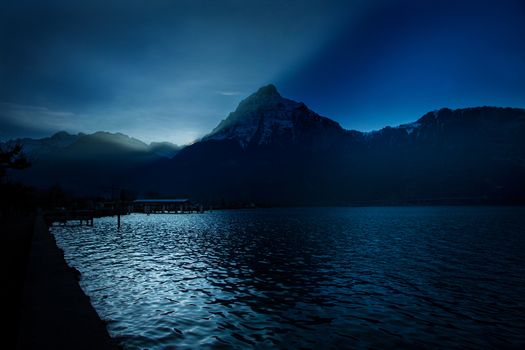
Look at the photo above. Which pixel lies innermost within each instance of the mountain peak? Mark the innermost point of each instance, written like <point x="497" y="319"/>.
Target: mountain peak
<point x="267" y="90"/>
<point x="266" y="117"/>
<point x="60" y="134"/>
<point x="265" y="96"/>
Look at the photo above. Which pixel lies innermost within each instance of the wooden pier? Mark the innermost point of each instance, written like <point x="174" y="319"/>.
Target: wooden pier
<point x="64" y="216"/>
<point x="83" y="217"/>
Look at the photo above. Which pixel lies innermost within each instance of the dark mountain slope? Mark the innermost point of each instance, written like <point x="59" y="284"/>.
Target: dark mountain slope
<point x="275" y="151"/>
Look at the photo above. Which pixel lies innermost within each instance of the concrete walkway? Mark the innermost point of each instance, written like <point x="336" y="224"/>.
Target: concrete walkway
<point x="55" y="312"/>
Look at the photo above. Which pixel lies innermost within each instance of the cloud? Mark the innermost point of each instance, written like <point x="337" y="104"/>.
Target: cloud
<point x="229" y="93"/>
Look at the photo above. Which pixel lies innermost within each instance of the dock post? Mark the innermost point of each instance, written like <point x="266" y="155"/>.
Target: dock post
<point x="118" y="220"/>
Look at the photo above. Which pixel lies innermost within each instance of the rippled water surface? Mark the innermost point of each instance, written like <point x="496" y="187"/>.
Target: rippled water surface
<point x="307" y="278"/>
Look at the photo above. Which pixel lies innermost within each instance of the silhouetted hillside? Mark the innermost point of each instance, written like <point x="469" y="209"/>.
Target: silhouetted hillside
<point x="87" y="164"/>
<point x="275" y="151"/>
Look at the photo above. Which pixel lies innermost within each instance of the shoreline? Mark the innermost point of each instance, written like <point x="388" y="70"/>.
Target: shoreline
<point x="55" y="313"/>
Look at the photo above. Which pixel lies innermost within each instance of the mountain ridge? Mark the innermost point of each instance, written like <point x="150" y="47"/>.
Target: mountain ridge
<point x="266" y="116"/>
<point x="86" y="163"/>
<point x="266" y="111"/>
<point x="275" y="151"/>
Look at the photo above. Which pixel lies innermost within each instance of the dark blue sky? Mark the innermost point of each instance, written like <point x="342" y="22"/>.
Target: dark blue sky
<point x="171" y="70"/>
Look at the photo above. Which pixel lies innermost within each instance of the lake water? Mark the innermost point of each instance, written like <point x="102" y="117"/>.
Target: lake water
<point x="411" y="277"/>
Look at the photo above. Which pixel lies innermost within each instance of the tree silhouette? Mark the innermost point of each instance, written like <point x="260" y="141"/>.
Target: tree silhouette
<point x="12" y="157"/>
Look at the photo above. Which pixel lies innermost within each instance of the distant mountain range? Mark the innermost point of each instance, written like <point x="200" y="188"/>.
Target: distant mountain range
<point x="87" y="163"/>
<point x="275" y="151"/>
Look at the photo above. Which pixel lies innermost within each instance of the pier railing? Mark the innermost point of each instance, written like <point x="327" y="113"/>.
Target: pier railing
<point x="84" y="217"/>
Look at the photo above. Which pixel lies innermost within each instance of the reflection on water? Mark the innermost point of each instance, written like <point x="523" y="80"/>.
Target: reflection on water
<point x="314" y="277"/>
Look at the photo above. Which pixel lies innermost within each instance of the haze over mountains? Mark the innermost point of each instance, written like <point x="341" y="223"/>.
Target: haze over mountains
<point x="275" y="151"/>
<point x="87" y="164"/>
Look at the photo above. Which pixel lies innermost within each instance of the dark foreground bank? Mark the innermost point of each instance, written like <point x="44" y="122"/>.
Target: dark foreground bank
<point x="55" y="313"/>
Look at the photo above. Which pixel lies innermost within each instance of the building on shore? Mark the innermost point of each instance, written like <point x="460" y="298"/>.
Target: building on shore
<point x="174" y="206"/>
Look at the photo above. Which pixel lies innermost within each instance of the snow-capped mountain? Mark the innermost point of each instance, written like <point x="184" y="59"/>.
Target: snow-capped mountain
<point x="266" y="118"/>
<point x="275" y="151"/>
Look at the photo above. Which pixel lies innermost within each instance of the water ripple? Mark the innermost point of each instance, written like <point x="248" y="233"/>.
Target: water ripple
<point x="307" y="278"/>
